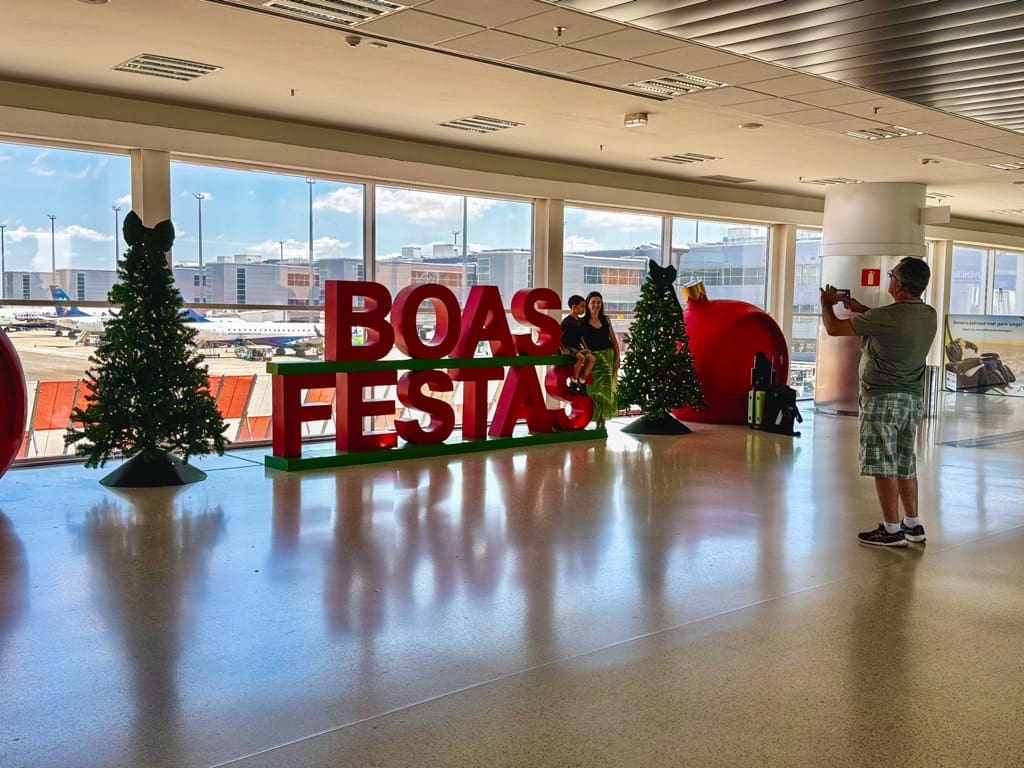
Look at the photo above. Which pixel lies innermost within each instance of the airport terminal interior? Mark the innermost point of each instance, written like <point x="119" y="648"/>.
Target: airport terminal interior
<point x="619" y="600"/>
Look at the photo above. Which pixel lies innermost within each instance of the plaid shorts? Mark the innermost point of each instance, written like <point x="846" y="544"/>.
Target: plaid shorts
<point x="888" y="433"/>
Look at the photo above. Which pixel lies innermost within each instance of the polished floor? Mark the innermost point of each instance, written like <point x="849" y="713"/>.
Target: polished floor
<point x="649" y="601"/>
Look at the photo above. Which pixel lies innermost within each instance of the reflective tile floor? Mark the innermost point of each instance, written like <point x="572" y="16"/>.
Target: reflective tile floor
<point x="649" y="601"/>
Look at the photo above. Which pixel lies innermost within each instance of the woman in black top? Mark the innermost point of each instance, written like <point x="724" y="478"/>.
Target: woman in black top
<point x="599" y="337"/>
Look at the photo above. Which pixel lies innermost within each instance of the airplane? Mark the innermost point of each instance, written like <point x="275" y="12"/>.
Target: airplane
<point x="210" y="331"/>
<point x="75" y="320"/>
<point x="26" y="319"/>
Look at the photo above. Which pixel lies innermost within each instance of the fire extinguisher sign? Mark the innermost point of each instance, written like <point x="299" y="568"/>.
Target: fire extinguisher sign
<point x="870" y="277"/>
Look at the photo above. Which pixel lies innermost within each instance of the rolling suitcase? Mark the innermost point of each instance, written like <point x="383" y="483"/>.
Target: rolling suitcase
<point x="780" y="413"/>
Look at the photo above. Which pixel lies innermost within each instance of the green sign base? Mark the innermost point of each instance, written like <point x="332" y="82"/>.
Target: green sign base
<point x="412" y="451"/>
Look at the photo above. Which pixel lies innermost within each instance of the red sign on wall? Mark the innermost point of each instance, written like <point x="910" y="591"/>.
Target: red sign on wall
<point x="870" y="277"/>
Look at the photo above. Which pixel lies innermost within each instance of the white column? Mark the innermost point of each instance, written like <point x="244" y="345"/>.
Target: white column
<point x="548" y="235"/>
<point x="939" y="290"/>
<point x="782" y="276"/>
<point x="151" y="186"/>
<point x="866" y="227"/>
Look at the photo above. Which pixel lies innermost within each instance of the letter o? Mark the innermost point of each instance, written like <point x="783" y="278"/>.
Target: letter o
<point x="447" y="321"/>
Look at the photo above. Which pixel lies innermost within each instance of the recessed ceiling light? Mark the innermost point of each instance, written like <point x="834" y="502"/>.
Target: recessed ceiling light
<point x="751" y="126"/>
<point x="635" y="119"/>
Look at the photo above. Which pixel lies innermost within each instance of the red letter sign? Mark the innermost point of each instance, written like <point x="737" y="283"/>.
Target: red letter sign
<point x="341" y="317"/>
<point x="520" y="399"/>
<point x="484" y="320"/>
<point x="442" y="416"/>
<point x="526" y="311"/>
<point x="446" y="321"/>
<point x="352" y="408"/>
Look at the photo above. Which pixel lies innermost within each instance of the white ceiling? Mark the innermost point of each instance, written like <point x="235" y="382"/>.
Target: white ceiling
<point x="442" y="60"/>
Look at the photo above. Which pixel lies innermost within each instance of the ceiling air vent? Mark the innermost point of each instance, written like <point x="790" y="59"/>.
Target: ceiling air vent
<point x="689" y="157"/>
<point x="676" y="85"/>
<point x="346" y="13"/>
<point x="164" y="66"/>
<point x="938" y="197"/>
<point x="835" y="180"/>
<point x="1018" y="166"/>
<point x="889" y="132"/>
<point x="481" y="124"/>
<point x="728" y="179"/>
<point x="1011" y="211"/>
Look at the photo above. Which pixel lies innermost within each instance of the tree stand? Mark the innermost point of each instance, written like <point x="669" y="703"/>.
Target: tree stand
<point x="657" y="425"/>
<point x="142" y="471"/>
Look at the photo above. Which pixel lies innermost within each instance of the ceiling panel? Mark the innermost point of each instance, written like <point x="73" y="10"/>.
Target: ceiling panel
<point x="772" y="107"/>
<point x="628" y="44"/>
<point x="494" y="44"/>
<point x="562" y="60"/>
<point x="485" y="14"/>
<point x="934" y="54"/>
<point x="572" y="26"/>
<point x="620" y="73"/>
<point x="687" y="58"/>
<point x="419" y="27"/>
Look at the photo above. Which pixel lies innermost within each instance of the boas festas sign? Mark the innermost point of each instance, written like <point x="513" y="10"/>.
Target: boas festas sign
<point x="364" y="325"/>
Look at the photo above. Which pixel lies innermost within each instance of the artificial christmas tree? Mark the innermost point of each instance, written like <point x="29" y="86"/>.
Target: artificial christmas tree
<point x="149" y="392"/>
<point x="658" y="373"/>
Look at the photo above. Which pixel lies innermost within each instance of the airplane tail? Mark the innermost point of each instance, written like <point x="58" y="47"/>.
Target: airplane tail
<point x="191" y="316"/>
<point x="63" y="311"/>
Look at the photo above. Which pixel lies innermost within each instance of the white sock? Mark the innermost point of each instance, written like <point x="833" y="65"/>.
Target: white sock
<point x="911" y="522"/>
<point x="892" y="527"/>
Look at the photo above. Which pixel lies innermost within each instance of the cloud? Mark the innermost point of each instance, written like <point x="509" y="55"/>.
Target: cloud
<point x="124" y="199"/>
<point x="84" y="233"/>
<point x="577" y="244"/>
<point x="21" y="234"/>
<point x="625" y="222"/>
<point x="323" y="248"/>
<point x="430" y="208"/>
<point x="38" y="168"/>
<point x="92" y="170"/>
<point x="71" y="232"/>
<point x="342" y="200"/>
<point x="328" y="247"/>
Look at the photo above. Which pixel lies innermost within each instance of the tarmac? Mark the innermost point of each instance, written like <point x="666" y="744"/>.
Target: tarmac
<point x="48" y="357"/>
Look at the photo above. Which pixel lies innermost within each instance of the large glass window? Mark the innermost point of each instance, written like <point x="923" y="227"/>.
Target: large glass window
<point x="806" y="312"/>
<point x="607" y="252"/>
<point x="967" y="286"/>
<point x="730" y="258"/>
<point x="262" y="238"/>
<point x="986" y="281"/>
<point x="60" y="210"/>
<point x="455" y="240"/>
<point x="1008" y="283"/>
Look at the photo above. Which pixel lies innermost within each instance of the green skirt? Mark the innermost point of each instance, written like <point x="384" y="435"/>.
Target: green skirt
<point x="603" y="384"/>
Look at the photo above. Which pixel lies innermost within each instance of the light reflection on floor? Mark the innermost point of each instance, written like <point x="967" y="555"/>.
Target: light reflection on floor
<point x="648" y="601"/>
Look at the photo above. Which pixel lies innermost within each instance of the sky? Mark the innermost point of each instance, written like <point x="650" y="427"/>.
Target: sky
<point x="267" y="214"/>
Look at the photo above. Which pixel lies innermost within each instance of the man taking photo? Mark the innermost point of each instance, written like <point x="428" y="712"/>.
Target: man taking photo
<point x="895" y="340"/>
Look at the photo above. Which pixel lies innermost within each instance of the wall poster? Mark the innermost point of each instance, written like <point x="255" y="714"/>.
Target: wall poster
<point x="985" y="354"/>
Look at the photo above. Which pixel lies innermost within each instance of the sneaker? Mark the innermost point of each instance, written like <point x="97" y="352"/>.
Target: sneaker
<point x="582" y="387"/>
<point x="915" y="534"/>
<point x="573" y="388"/>
<point x="882" y="538"/>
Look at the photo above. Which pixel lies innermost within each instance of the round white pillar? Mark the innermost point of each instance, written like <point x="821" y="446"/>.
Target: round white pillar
<point x="868" y="228"/>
